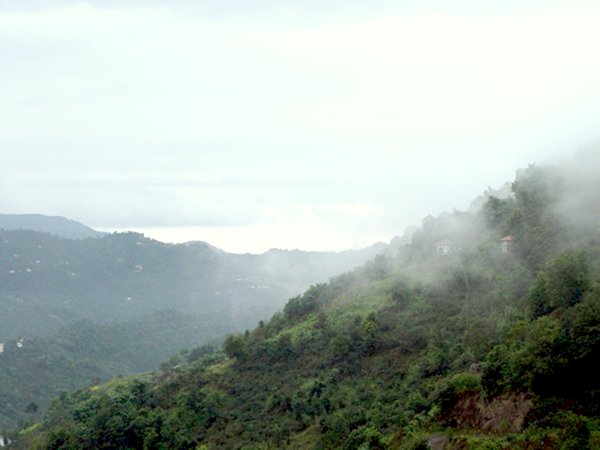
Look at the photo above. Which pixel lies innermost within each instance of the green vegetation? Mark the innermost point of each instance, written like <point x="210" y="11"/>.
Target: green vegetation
<point x="85" y="353"/>
<point x="121" y="303"/>
<point x="460" y="344"/>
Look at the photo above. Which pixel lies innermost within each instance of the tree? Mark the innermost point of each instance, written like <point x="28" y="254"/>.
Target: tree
<point x="370" y="333"/>
<point x="561" y="284"/>
<point x="533" y="223"/>
<point x="496" y="211"/>
<point x="32" y="408"/>
<point x="235" y="346"/>
<point x="526" y="356"/>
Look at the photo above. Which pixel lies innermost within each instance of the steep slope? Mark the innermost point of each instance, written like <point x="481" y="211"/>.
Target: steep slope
<point x="461" y="341"/>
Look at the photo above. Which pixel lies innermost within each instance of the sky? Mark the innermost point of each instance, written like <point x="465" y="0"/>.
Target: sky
<point x="319" y="125"/>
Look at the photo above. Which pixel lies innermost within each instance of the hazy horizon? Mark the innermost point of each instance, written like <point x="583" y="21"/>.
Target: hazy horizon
<point x="285" y="124"/>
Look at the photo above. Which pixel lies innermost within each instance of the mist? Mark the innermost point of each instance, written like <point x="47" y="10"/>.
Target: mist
<point x="392" y="205"/>
<point x="303" y="126"/>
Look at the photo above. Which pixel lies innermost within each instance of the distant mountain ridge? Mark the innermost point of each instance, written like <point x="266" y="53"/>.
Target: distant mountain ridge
<point x="47" y="282"/>
<point x="56" y="225"/>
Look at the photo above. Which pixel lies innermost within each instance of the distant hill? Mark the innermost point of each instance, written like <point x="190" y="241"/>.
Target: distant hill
<point x="56" y="225"/>
<point x="47" y="282"/>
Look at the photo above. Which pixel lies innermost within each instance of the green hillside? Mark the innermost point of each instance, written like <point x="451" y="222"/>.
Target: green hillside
<point x="461" y="340"/>
<point x="120" y="304"/>
<point x="33" y="371"/>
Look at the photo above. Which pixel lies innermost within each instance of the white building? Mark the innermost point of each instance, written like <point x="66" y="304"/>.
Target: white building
<point x="444" y="246"/>
<point x="506" y="244"/>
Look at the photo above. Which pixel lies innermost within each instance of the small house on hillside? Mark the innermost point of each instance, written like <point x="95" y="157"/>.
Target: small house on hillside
<point x="506" y="244"/>
<point x="1" y="347"/>
<point x="444" y="246"/>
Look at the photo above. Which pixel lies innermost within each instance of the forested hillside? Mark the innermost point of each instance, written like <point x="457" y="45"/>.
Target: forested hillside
<point x="33" y="371"/>
<point x="480" y="333"/>
<point x="47" y="282"/>
<point x="72" y="311"/>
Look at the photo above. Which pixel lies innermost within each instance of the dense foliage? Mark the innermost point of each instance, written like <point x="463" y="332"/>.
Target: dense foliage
<point x="34" y="371"/>
<point x="458" y="341"/>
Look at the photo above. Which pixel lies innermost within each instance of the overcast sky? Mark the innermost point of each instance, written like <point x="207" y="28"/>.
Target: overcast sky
<point x="313" y="125"/>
